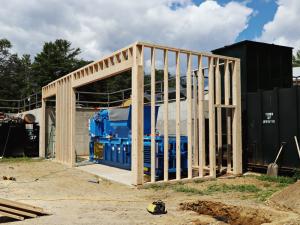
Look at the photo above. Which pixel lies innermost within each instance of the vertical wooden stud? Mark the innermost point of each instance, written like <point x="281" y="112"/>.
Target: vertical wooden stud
<point x="189" y="113"/>
<point x="153" y="147"/>
<point x="195" y="123"/>
<point x="211" y="112"/>
<point x="137" y="120"/>
<point x="57" y="122"/>
<point x="42" y="144"/>
<point x="237" y="122"/>
<point x="202" y="161"/>
<point x="228" y="113"/>
<point x="166" y="117"/>
<point x="72" y="100"/>
<point x="178" y="153"/>
<point x="63" y="121"/>
<point x="219" y="113"/>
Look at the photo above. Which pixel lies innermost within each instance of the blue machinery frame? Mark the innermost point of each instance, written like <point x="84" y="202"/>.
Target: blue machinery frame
<point x="110" y="142"/>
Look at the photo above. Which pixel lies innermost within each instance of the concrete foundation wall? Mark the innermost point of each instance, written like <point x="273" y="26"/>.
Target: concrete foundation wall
<point x="81" y="129"/>
<point x="172" y="117"/>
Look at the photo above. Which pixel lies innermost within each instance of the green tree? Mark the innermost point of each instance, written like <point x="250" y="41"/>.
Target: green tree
<point x="12" y="82"/>
<point x="296" y="59"/>
<point x="57" y="59"/>
<point x="25" y="72"/>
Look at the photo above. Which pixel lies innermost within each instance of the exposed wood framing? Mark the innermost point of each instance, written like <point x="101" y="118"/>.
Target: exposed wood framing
<point x="42" y="143"/>
<point x="237" y="121"/>
<point x="166" y="117"/>
<point x="202" y="155"/>
<point x="153" y="150"/>
<point x="228" y="114"/>
<point x="132" y="57"/>
<point x="137" y="153"/>
<point x="219" y="113"/>
<point x="195" y="122"/>
<point x="178" y="158"/>
<point x="189" y="113"/>
<point x="212" y="119"/>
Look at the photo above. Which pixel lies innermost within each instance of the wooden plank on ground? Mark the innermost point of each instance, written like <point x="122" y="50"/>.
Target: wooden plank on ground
<point x="17" y="212"/>
<point x="11" y="215"/>
<point x="5" y="202"/>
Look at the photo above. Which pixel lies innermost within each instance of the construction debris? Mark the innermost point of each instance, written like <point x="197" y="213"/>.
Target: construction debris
<point x="19" y="211"/>
<point x="9" y="178"/>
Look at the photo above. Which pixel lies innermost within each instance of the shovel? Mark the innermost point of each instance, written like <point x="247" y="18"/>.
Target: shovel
<point x="297" y="145"/>
<point x="273" y="167"/>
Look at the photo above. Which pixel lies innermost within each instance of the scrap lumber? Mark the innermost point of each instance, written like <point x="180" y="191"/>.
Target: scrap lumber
<point x="19" y="211"/>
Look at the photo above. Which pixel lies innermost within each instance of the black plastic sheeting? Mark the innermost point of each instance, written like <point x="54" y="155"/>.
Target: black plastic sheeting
<point x="273" y="117"/>
<point x="16" y="140"/>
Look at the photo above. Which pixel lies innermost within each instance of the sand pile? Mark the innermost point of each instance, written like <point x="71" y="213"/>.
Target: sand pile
<point x="288" y="198"/>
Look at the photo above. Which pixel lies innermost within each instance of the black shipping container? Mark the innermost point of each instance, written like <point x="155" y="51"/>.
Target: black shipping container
<point x="273" y="117"/>
<point x="269" y="103"/>
<point x="19" y="139"/>
<point x="263" y="66"/>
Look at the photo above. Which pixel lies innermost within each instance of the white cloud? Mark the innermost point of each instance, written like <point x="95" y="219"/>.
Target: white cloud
<point x="99" y="27"/>
<point x="284" y="28"/>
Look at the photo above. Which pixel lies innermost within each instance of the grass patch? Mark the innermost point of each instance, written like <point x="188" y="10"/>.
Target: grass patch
<point x="263" y="195"/>
<point x="279" y="179"/>
<point x="296" y="175"/>
<point x="224" y="188"/>
<point x="189" y="190"/>
<point x="19" y="159"/>
<point x="199" y="181"/>
<point x="157" y="187"/>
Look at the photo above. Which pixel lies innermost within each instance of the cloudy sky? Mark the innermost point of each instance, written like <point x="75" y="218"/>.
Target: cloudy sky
<point x="101" y="26"/>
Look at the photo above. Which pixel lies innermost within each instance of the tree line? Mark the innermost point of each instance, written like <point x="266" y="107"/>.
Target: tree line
<point x="21" y="76"/>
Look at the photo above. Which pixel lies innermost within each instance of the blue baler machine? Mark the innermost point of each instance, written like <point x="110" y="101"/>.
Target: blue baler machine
<point x="110" y="141"/>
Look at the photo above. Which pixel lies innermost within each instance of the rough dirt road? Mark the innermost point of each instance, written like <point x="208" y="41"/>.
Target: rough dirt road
<point x="71" y="198"/>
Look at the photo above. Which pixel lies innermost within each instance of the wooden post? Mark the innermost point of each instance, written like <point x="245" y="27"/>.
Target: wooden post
<point x="236" y="123"/>
<point x="137" y="120"/>
<point x="63" y="149"/>
<point x="178" y="153"/>
<point x="42" y="146"/>
<point x="72" y="123"/>
<point x="202" y="161"/>
<point x="219" y="113"/>
<point x="166" y="117"/>
<point x="189" y="113"/>
<point x="228" y="112"/>
<point x="153" y="147"/>
<point x="195" y="116"/>
<point x="211" y="112"/>
<point x="57" y="123"/>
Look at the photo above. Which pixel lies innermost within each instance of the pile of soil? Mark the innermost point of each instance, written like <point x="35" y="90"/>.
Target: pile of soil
<point x="228" y="214"/>
<point x="288" y="198"/>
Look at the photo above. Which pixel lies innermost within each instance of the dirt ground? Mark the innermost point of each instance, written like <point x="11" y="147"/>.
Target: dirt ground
<point x="72" y="196"/>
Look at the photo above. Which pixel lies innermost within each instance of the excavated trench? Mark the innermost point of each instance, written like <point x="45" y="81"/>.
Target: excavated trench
<point x="234" y="215"/>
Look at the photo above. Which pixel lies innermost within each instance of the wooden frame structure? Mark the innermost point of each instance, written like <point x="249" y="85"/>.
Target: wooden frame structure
<point x="224" y="93"/>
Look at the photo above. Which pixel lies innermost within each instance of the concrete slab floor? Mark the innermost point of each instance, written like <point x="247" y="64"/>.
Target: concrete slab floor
<point x="109" y="173"/>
